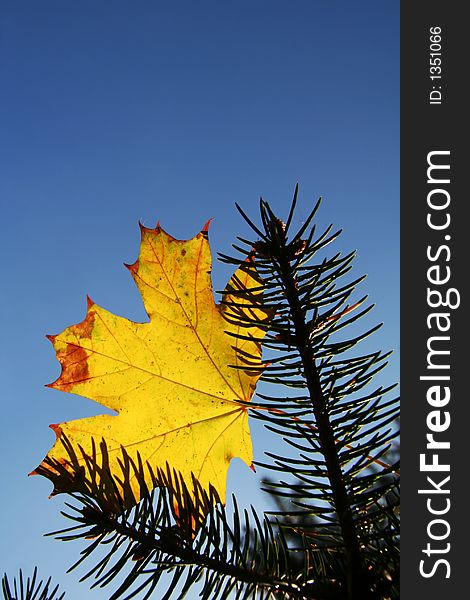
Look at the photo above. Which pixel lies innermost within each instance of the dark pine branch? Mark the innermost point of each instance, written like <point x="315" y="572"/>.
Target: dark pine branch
<point x="344" y="479"/>
<point x="29" y="589"/>
<point x="281" y="255"/>
<point x="180" y="530"/>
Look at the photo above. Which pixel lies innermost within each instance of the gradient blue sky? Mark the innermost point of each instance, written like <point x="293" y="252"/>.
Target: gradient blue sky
<point x="114" y="112"/>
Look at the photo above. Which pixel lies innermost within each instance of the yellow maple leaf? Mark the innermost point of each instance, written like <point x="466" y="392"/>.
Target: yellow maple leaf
<point x="171" y="380"/>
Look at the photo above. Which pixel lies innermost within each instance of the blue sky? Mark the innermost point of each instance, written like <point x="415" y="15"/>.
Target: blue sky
<point x="114" y="112"/>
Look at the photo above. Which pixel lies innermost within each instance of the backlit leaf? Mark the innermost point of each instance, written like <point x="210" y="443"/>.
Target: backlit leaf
<point x="171" y="380"/>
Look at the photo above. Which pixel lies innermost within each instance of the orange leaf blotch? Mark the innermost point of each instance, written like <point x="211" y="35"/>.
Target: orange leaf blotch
<point x="84" y="329"/>
<point x="74" y="363"/>
<point x="72" y="357"/>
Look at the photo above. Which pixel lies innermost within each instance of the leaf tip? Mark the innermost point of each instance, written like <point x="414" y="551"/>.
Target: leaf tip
<point x="205" y="229"/>
<point x="143" y="229"/>
<point x="250" y="259"/>
<point x="89" y="301"/>
<point x="56" y="429"/>
<point x="132" y="267"/>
